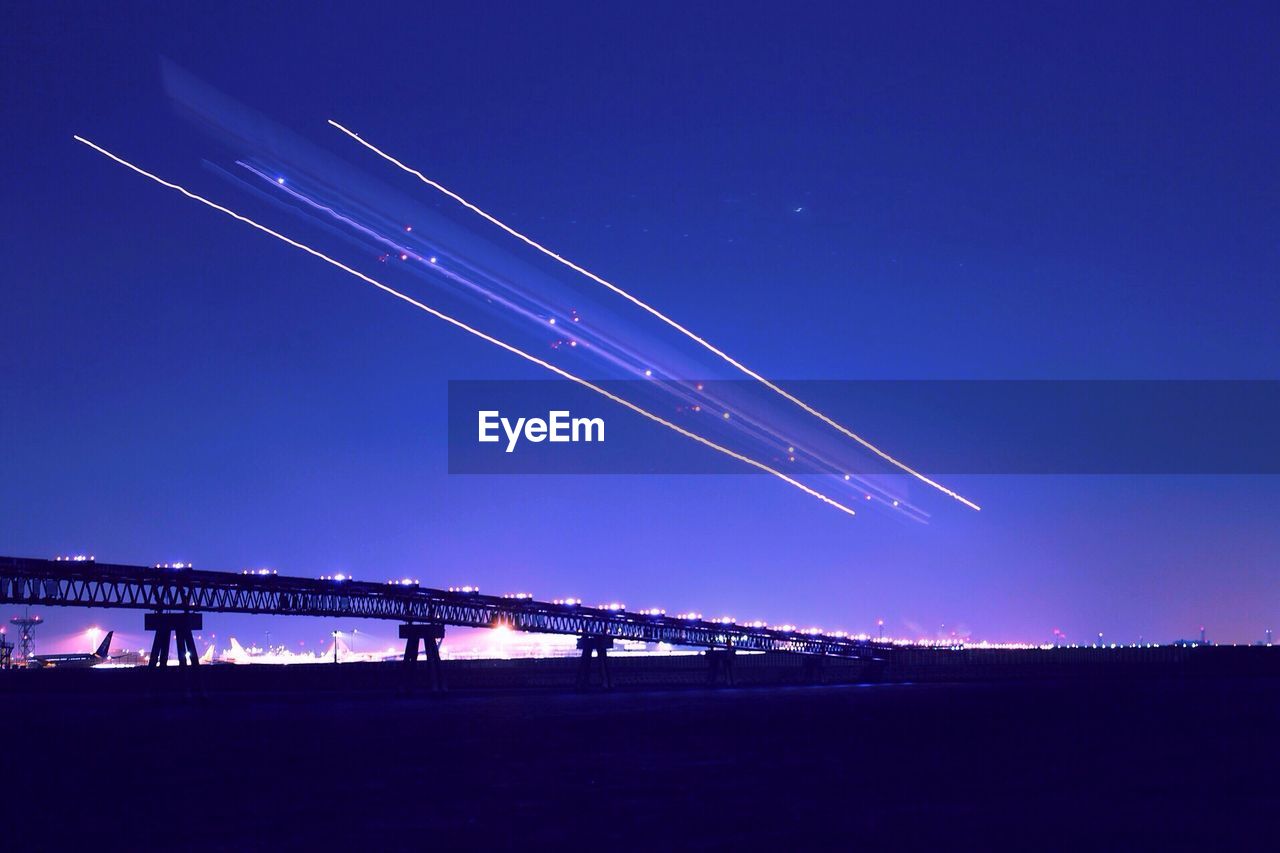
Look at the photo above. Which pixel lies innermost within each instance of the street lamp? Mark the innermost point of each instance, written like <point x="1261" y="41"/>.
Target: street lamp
<point x="336" y="635"/>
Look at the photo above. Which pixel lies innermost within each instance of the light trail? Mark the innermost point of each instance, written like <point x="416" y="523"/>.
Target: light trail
<point x="470" y="329"/>
<point x="612" y="351"/>
<point x="663" y="317"/>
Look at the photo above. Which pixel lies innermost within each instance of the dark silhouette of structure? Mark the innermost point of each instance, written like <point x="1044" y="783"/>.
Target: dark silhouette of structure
<point x="177" y="627"/>
<point x="27" y="641"/>
<point x="431" y="636"/>
<point x="176" y="596"/>
<point x="598" y="646"/>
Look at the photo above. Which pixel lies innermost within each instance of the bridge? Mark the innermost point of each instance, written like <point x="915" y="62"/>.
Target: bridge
<point x="177" y="596"/>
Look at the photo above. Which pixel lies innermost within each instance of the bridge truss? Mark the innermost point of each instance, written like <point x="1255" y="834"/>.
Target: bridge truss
<point x="92" y="584"/>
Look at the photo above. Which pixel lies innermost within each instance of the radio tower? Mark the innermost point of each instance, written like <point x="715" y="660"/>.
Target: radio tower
<point x="27" y="642"/>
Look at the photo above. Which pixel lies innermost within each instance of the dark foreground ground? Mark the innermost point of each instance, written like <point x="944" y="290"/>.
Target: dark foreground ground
<point x="1087" y="764"/>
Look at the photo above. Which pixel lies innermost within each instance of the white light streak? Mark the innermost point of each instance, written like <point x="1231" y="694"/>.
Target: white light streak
<point x="663" y="317"/>
<point x="466" y="328"/>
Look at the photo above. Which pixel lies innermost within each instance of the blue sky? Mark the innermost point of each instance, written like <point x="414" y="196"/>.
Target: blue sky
<point x="827" y="191"/>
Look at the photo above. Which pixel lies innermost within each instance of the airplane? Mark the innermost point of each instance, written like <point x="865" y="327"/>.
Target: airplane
<point x="102" y="655"/>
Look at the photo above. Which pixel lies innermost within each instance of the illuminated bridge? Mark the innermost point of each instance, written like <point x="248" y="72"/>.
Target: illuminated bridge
<point x="176" y="596"/>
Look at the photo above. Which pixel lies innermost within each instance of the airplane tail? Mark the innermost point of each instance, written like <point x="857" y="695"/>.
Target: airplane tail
<point x="105" y="648"/>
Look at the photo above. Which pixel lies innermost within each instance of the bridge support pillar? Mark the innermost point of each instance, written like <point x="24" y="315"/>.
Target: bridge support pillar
<point x="177" y="627"/>
<point x="432" y="636"/>
<point x="720" y="664"/>
<point x="814" y="669"/>
<point x="600" y="646"/>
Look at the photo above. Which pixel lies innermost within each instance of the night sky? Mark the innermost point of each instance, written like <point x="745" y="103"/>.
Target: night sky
<point x="1056" y="191"/>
